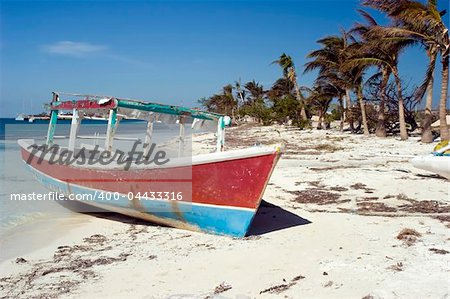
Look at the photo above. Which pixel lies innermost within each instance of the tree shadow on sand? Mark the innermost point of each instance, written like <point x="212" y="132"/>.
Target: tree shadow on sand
<point x="270" y="218"/>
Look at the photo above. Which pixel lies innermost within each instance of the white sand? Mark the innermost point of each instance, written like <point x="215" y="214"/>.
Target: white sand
<point x="343" y="245"/>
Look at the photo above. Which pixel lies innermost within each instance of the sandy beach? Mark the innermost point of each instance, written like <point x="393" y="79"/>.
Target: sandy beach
<point x="343" y="216"/>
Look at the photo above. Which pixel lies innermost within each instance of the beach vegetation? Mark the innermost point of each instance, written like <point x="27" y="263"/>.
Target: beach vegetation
<point x="287" y="65"/>
<point x="422" y="23"/>
<point x="358" y="81"/>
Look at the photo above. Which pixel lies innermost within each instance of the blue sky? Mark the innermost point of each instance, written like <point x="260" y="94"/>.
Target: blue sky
<point x="171" y="52"/>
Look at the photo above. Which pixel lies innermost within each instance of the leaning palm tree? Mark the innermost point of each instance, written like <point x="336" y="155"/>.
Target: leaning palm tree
<point x="240" y="92"/>
<point x="355" y="74"/>
<point x="320" y="98"/>
<point x="288" y="67"/>
<point x="329" y="61"/>
<point x="255" y="92"/>
<point x="422" y="22"/>
<point x="281" y="89"/>
<point x="363" y="31"/>
<point x="334" y="86"/>
<point x="383" y="55"/>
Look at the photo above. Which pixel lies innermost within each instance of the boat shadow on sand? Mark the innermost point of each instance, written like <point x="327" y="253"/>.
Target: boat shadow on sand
<point x="268" y="218"/>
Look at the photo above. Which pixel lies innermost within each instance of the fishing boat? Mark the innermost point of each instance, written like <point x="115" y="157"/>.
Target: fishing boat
<point x="437" y="162"/>
<point x="216" y="192"/>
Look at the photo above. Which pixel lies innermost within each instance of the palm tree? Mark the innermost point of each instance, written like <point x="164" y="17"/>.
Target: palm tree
<point x="288" y="67"/>
<point x="427" y="135"/>
<point x="240" y="92"/>
<point x="256" y="92"/>
<point x="320" y="98"/>
<point x="329" y="60"/>
<point x="223" y="103"/>
<point x="285" y="106"/>
<point x="355" y="73"/>
<point x="334" y="87"/>
<point x="281" y="88"/>
<point x="363" y="31"/>
<point x="422" y="22"/>
<point x="385" y="56"/>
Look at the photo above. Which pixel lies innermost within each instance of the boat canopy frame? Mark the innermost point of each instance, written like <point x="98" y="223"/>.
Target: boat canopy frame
<point x="116" y="109"/>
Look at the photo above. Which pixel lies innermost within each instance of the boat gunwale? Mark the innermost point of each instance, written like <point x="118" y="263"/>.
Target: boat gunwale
<point x="215" y="157"/>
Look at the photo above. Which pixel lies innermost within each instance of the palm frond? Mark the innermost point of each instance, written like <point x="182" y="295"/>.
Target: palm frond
<point x="369" y="19"/>
<point x="367" y="61"/>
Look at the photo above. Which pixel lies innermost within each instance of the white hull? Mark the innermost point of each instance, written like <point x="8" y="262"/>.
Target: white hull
<point x="437" y="164"/>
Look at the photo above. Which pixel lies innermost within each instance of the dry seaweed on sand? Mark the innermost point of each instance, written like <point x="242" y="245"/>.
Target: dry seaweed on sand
<point x="276" y="289"/>
<point x="397" y="267"/>
<point x="425" y="206"/>
<point x="338" y="188"/>
<point x="361" y="186"/>
<point x="332" y="167"/>
<point x="326" y="147"/>
<point x="408" y="236"/>
<point x="21" y="260"/>
<point x="439" y="251"/>
<point x="223" y="287"/>
<point x="370" y="206"/>
<point x="316" y="196"/>
<point x="283" y="287"/>
<point x="445" y="219"/>
<point x="95" y="239"/>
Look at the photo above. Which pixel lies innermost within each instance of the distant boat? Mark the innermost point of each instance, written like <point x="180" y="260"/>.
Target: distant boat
<point x="33" y="118"/>
<point x="22" y="117"/>
<point x="217" y="193"/>
<point x="438" y="162"/>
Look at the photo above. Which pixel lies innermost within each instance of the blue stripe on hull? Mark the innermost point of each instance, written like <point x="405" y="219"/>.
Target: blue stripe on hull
<point x="213" y="219"/>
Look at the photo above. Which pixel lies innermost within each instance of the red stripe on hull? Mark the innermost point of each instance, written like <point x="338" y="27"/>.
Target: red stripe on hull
<point x="238" y="183"/>
<point x="84" y="105"/>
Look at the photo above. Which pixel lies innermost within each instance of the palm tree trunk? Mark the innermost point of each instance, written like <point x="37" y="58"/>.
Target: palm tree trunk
<point x="363" y="110"/>
<point x="443" y="127"/>
<point x="401" y="111"/>
<point x="300" y="100"/>
<point x="348" y="114"/>
<point x="427" y="135"/>
<point x="319" y="124"/>
<point x="381" y="126"/>
<point x="341" y="106"/>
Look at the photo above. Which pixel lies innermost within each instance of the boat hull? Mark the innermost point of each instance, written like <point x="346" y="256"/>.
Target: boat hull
<point x="219" y="195"/>
<point x="436" y="164"/>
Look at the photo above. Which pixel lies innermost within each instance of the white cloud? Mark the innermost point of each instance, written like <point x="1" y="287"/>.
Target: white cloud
<point x="76" y="49"/>
<point x="85" y="50"/>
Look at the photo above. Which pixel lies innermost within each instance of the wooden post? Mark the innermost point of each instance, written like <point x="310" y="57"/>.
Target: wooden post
<point x="148" y="136"/>
<point x="111" y="131"/>
<point x="52" y="123"/>
<point x="181" y="143"/>
<point x="74" y="128"/>
<point x="220" y="135"/>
